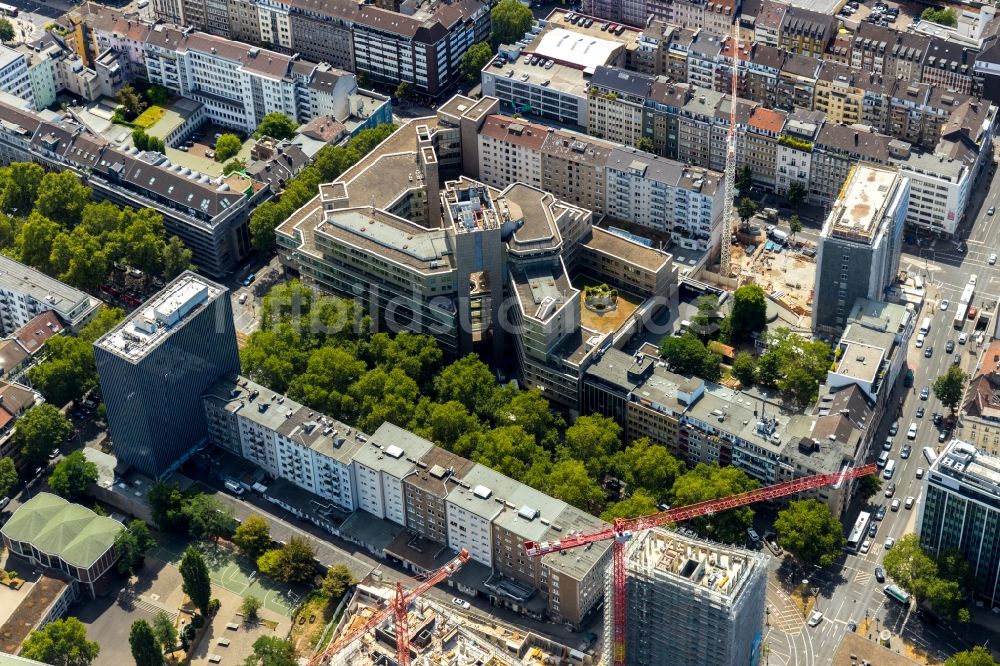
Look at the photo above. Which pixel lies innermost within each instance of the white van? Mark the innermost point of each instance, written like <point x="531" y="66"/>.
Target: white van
<point x="920" y="341"/>
<point x="890" y="469"/>
<point x="883" y="458"/>
<point x="925" y="325"/>
<point x="929" y="455"/>
<point x="234" y="488"/>
<point x="918" y="282"/>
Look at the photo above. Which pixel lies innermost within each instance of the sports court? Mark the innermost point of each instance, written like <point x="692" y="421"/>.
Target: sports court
<point x="231" y="573"/>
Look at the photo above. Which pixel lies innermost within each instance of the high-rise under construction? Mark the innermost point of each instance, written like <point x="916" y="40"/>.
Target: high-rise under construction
<point x="691" y="602"/>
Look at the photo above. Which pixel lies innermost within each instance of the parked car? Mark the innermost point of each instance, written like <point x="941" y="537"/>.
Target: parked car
<point x="461" y="603"/>
<point x="894" y="428"/>
<point x="889" y="543"/>
<point x="945" y="304"/>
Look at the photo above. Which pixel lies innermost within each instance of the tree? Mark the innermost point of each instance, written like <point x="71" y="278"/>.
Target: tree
<point x="337" y="581"/>
<point x="34" y="241"/>
<point x="744" y="368"/>
<point x="510" y="20"/>
<point x="6" y="30"/>
<point x="68" y="372"/>
<point x="131" y="544"/>
<point x="197" y="584"/>
<point x="145" y="650"/>
<point x="705" y="323"/>
<point x="468" y="381"/>
<point x="532" y="411"/>
<point x="40" y="429"/>
<point x="404" y="91"/>
<point x="61" y="196"/>
<point x="810" y="532"/>
<point x="746" y="208"/>
<point x="227" y="146"/>
<point x="8" y="476"/>
<point x="908" y="564"/>
<point x="796" y="365"/>
<point x="686" y="354"/>
<point x="977" y="656"/>
<point x="641" y="503"/>
<point x="253" y="536"/>
<point x="73" y="476"/>
<point x="708" y="482"/>
<point x="950" y="387"/>
<point x="943" y="16"/>
<point x="61" y="643"/>
<point x="744" y="179"/>
<point x="749" y="314"/>
<point x="593" y="440"/>
<point x="207" y="517"/>
<point x="166" y="504"/>
<point x="570" y="482"/>
<point x="79" y="259"/>
<point x="796" y="195"/>
<point x="868" y="487"/>
<point x="250" y="607"/>
<point x="295" y="562"/>
<point x="130" y="101"/>
<point x="446" y="422"/>
<point x="508" y="450"/>
<point x="176" y="258"/>
<point x="20" y="187"/>
<point x="645" y="144"/>
<point x="277" y="126"/>
<point x="165" y="631"/>
<point x="648" y="467"/>
<point x="157" y="94"/>
<point x="474" y="59"/>
<point x="272" y="651"/>
<point x="794" y="225"/>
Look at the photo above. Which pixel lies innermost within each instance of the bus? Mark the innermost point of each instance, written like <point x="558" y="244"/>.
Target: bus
<point x="896" y="593"/>
<point x="8" y="10"/>
<point x="964" y="302"/>
<point x="859" y="532"/>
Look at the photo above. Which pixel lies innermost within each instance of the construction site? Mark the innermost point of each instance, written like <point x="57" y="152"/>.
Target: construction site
<point x="444" y="636"/>
<point x="786" y="274"/>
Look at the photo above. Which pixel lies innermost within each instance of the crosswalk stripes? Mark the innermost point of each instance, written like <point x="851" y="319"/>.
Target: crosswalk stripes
<point x="151" y="608"/>
<point x="863" y="578"/>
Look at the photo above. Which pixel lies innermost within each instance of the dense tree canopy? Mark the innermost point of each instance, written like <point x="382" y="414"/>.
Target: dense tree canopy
<point x="253" y="536"/>
<point x="950" y="387"/>
<point x="749" y="313"/>
<point x="61" y="643"/>
<point x="132" y="544"/>
<point x="8" y="476"/>
<point x="795" y="365"/>
<point x="145" y="649"/>
<point x="977" y="656"/>
<point x="226" y="147"/>
<point x="649" y="467"/>
<point x="942" y="583"/>
<point x="42" y="428"/>
<point x="295" y="562"/>
<point x="686" y="354"/>
<point x="474" y="59"/>
<point x="640" y="503"/>
<point x="809" y="531"/>
<point x="510" y="20"/>
<point x="277" y="126"/>
<point x="73" y="476"/>
<point x="272" y="651"/>
<point x="708" y="482"/>
<point x="337" y="581"/>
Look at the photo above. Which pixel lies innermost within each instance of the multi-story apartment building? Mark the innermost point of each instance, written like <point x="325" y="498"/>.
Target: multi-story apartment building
<point x="839" y="94"/>
<point x="960" y="511"/>
<point x="940" y="187"/>
<point x="793" y="154"/>
<point x="805" y="32"/>
<point x="26" y="293"/>
<point x="653" y="47"/>
<point x="759" y="75"/>
<point x="704" y="59"/>
<point x="694" y="130"/>
<point x="154" y="367"/>
<point x="890" y="53"/>
<point x="835" y="152"/>
<point x="797" y="82"/>
<point x="950" y="66"/>
<point x="857" y="254"/>
<point x="244" y="26"/>
<point x="574" y="169"/>
<point x="767" y="22"/>
<point x="979" y="424"/>
<point x="763" y="131"/>
<point x="662" y="113"/>
<point x="14" y="77"/>
<point x="717" y="16"/>
<point x="511" y="150"/>
<point x="404" y="480"/>
<point x="615" y="104"/>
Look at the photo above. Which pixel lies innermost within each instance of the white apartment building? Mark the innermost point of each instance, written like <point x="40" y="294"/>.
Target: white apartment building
<point x="380" y="469"/>
<point x="471" y="512"/>
<point x="511" y="150"/>
<point x="25" y="292"/>
<point x="663" y="194"/>
<point x="14" y="78"/>
<point x="939" y="191"/>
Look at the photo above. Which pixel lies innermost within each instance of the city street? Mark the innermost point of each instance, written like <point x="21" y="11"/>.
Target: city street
<point x="849" y="592"/>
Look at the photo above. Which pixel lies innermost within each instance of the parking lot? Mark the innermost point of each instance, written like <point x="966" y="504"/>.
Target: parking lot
<point x="896" y="15"/>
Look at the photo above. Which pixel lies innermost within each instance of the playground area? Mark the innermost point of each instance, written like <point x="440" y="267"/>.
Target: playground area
<point x="232" y="573"/>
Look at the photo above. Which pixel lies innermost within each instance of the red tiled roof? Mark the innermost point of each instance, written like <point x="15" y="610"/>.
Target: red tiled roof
<point x="767" y="120"/>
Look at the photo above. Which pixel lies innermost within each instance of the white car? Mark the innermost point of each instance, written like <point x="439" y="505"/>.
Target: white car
<point x="889" y="543"/>
<point x="920" y="472"/>
<point x="993" y="259"/>
<point x="815" y="618"/>
<point x="461" y="603"/>
<point x="866" y="545"/>
<point x="911" y="432"/>
<point x="945" y="304"/>
<point x="909" y="502"/>
<point x="243" y="298"/>
<point x="963" y="338"/>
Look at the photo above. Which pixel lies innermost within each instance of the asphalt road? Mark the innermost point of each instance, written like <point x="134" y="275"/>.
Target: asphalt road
<point x="849" y="592"/>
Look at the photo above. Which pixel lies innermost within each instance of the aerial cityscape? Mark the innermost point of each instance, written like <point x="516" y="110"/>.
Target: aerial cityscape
<point x="499" y="333"/>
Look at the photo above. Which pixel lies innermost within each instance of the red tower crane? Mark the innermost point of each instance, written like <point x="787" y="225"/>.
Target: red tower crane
<point x="397" y="609"/>
<point x="623" y="528"/>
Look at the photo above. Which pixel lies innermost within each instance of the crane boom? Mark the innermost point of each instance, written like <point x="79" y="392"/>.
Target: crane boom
<point x="397" y="608"/>
<point x="623" y="528"/>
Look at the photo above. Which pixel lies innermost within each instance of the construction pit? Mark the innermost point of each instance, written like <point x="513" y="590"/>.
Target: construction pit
<point x="788" y="276"/>
<point x="441" y="635"/>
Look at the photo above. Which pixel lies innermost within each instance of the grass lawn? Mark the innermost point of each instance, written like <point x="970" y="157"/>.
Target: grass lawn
<point x="306" y="634"/>
<point x="149" y="117"/>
